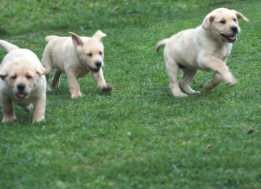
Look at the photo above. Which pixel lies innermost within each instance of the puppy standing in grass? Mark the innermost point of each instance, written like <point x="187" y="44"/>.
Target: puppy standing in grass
<point x="76" y="56"/>
<point x="206" y="47"/>
<point x="22" y="81"/>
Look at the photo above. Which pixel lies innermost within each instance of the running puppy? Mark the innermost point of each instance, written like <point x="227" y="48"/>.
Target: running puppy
<point x="205" y="47"/>
<point x="76" y="56"/>
<point x="22" y="81"/>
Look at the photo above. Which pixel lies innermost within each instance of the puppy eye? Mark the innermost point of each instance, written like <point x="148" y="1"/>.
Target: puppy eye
<point x="234" y="19"/>
<point x="223" y="21"/>
<point x="100" y="53"/>
<point x="28" y="77"/>
<point x="89" y="54"/>
<point x="14" y="77"/>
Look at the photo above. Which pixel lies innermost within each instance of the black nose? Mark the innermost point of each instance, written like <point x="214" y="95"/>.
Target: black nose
<point x="98" y="64"/>
<point x="234" y="29"/>
<point x="21" y="87"/>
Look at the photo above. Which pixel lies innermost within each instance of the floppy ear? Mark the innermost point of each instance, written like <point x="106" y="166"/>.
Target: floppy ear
<point x="208" y="21"/>
<point x="240" y="16"/>
<point x="77" y="41"/>
<point x="99" y="35"/>
<point x="3" y="76"/>
<point x="41" y="71"/>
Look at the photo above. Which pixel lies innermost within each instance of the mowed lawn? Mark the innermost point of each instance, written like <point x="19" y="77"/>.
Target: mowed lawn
<point x="139" y="136"/>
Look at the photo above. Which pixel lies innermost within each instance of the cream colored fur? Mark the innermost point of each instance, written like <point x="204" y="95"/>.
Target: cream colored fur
<point x="22" y="82"/>
<point x="76" y="56"/>
<point x="205" y="47"/>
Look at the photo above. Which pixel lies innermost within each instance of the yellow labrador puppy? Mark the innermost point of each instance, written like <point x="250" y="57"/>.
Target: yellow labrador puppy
<point x="22" y="81"/>
<point x="205" y="47"/>
<point x="76" y="56"/>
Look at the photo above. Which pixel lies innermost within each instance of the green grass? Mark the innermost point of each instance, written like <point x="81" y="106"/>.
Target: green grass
<point x="139" y="136"/>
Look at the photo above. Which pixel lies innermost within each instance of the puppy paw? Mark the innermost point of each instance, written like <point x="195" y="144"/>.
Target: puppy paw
<point x="232" y="82"/>
<point x="179" y="94"/>
<point x="76" y="95"/>
<point x="38" y="119"/>
<point x="8" y="119"/>
<point x="194" y="92"/>
<point x="107" y="88"/>
<point x="230" y="79"/>
<point x="188" y="90"/>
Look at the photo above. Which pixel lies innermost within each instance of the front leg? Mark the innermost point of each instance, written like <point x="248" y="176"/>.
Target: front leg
<point x="39" y="111"/>
<point x="8" y="112"/>
<point x="213" y="83"/>
<point x="73" y="85"/>
<point x="99" y="78"/>
<point x="218" y="66"/>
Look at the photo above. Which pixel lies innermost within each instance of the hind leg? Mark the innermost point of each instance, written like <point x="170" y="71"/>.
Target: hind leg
<point x="172" y="71"/>
<point x="56" y="79"/>
<point x="47" y="63"/>
<point x="185" y="82"/>
<point x="46" y="60"/>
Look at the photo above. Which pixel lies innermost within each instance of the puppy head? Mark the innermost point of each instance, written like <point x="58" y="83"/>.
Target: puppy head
<point x="21" y="78"/>
<point x="223" y="24"/>
<point x="91" y="50"/>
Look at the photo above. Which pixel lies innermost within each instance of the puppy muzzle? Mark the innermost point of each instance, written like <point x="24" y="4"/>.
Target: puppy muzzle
<point x="234" y="29"/>
<point x="229" y="37"/>
<point x="97" y="67"/>
<point x="20" y="95"/>
<point x="21" y="91"/>
<point x="93" y="69"/>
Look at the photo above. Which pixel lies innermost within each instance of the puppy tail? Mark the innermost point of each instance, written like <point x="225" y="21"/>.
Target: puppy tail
<point x="161" y="44"/>
<point x="7" y="46"/>
<point x="50" y="37"/>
